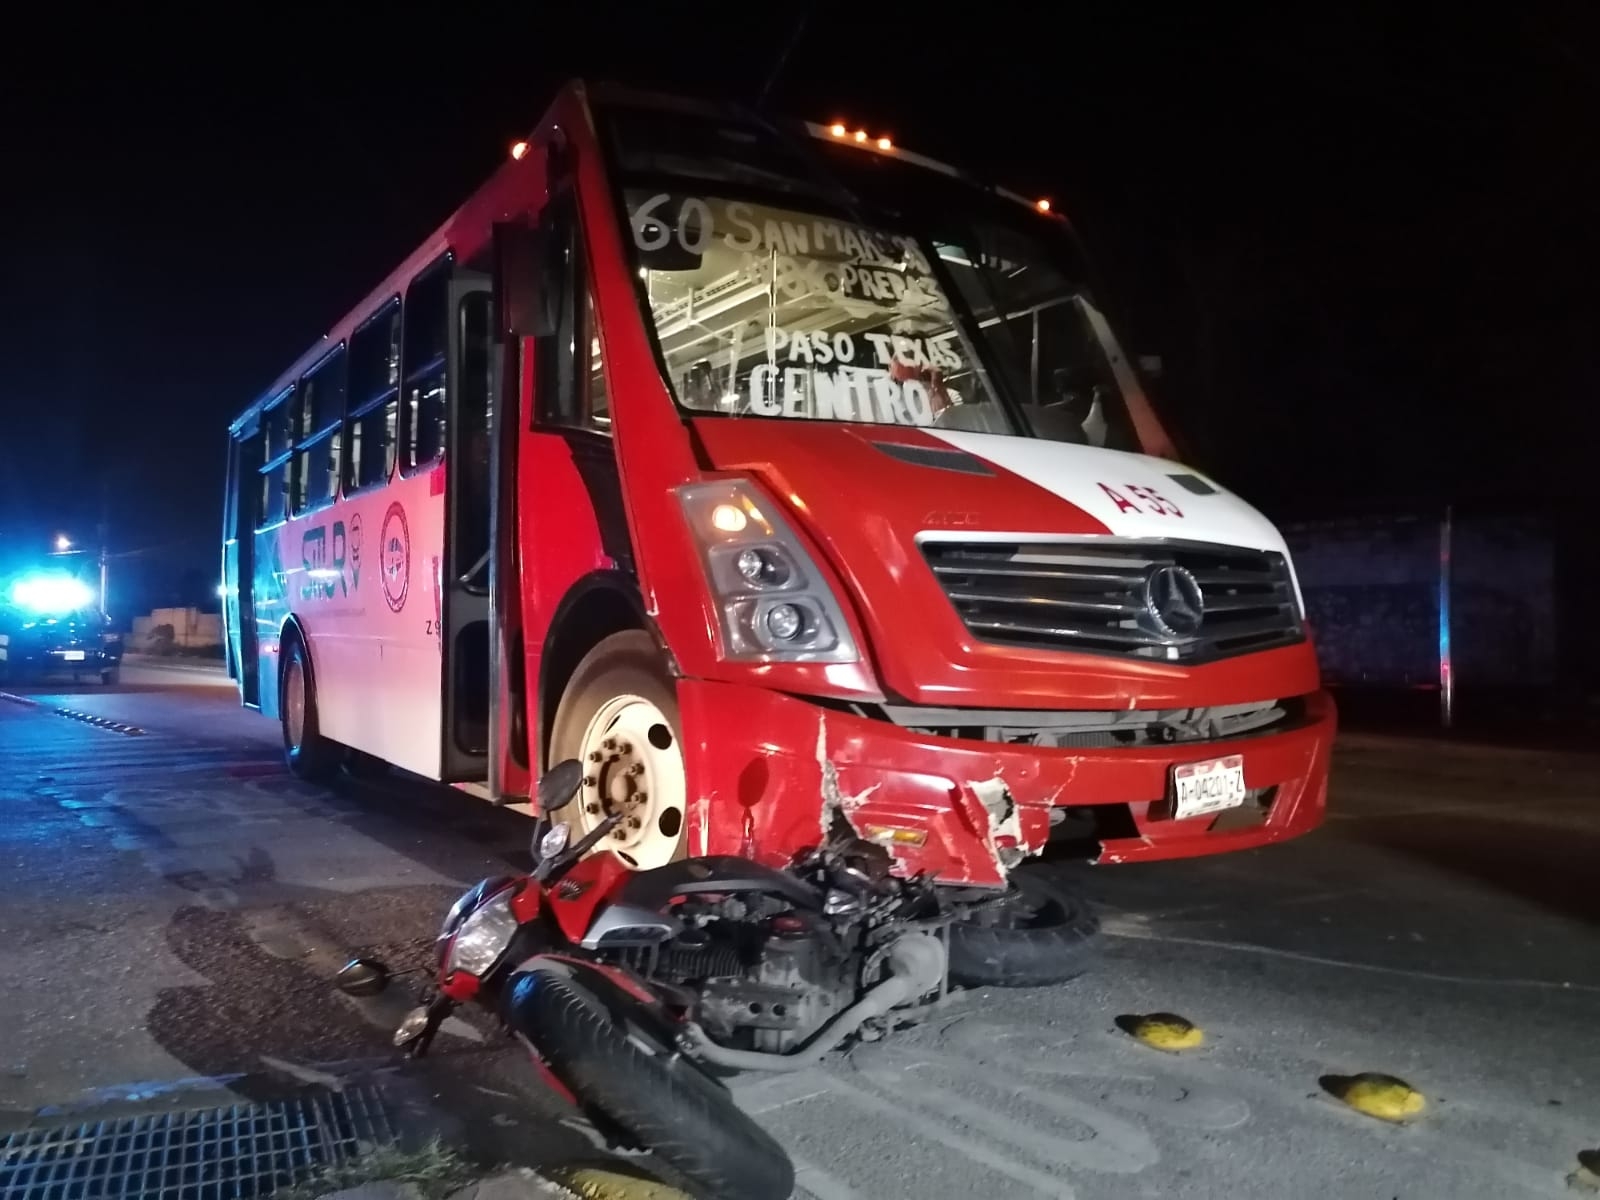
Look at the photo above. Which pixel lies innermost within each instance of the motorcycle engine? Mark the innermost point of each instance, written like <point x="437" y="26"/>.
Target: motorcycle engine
<point x="765" y="985"/>
<point x="762" y="976"/>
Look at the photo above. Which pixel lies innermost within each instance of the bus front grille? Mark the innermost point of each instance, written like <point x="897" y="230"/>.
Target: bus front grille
<point x="1165" y="601"/>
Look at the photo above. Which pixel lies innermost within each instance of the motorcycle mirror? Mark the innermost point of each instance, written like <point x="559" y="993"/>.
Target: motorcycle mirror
<point x="559" y="785"/>
<point x="362" y="977"/>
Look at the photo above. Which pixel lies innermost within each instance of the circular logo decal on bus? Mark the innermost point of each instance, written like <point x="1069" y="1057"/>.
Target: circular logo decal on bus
<point x="355" y="540"/>
<point x="394" y="560"/>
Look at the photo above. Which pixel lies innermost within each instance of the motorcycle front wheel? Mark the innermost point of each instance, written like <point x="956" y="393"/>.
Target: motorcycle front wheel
<point x="1040" y="933"/>
<point x="662" y="1100"/>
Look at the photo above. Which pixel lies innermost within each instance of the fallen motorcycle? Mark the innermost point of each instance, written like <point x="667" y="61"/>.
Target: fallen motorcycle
<point x="635" y="990"/>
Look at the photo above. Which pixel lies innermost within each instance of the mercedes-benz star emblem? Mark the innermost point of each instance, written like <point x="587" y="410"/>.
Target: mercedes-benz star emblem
<point x="1174" y="601"/>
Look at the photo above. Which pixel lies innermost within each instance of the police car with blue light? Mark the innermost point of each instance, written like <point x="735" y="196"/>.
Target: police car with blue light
<point x="51" y="624"/>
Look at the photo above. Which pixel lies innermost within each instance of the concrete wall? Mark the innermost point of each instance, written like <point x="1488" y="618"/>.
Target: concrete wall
<point x="191" y="628"/>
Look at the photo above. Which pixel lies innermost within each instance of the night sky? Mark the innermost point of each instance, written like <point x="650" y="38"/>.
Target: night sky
<point x="1362" y="245"/>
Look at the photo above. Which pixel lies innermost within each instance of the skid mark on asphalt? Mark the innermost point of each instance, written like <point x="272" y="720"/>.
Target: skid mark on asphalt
<point x="1065" y="1109"/>
<point x="1088" y="1138"/>
<point x="1164" y="1096"/>
<point x="1135" y="932"/>
<point x="940" y="1133"/>
<point x="1023" y="1134"/>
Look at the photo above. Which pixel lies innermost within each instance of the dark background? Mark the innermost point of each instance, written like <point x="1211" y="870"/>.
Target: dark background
<point x="1360" y="241"/>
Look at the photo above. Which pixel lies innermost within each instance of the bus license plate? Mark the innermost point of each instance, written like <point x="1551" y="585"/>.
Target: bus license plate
<point x="1208" y="787"/>
<point x="72" y="655"/>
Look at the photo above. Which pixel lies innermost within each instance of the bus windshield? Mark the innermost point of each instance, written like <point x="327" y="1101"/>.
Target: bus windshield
<point x="837" y="303"/>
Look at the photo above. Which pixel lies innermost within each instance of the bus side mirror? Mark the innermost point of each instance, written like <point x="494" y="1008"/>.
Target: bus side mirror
<point x="527" y="307"/>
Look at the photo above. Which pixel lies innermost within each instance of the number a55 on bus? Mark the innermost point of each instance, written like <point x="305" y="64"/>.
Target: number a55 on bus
<point x="783" y="477"/>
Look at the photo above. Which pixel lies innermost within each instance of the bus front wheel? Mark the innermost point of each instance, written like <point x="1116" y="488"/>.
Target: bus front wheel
<point x="618" y="716"/>
<point x="310" y="755"/>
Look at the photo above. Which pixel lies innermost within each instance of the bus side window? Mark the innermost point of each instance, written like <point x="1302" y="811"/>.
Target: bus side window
<point x="574" y="387"/>
<point x="473" y="411"/>
<point x="374" y="399"/>
<point x="319" y="433"/>
<point x="277" y="468"/>
<point x="427" y="330"/>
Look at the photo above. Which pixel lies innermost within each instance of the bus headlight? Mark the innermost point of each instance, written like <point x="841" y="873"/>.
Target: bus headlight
<point x="772" y="603"/>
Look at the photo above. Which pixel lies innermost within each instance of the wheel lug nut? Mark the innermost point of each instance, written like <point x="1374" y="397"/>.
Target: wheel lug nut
<point x="636" y="770"/>
<point x="594" y="756"/>
<point x="591" y="808"/>
<point x="618" y="834"/>
<point x="624" y="748"/>
<point x="589" y="781"/>
<point x="610" y="743"/>
<point x="634" y="823"/>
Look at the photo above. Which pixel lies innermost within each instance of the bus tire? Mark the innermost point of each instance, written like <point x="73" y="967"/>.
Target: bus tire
<point x="310" y="755"/>
<point x="618" y="715"/>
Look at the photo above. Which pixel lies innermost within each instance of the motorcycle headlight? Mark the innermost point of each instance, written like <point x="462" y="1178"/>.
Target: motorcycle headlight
<point x="483" y="936"/>
<point x="463" y="908"/>
<point x="772" y="602"/>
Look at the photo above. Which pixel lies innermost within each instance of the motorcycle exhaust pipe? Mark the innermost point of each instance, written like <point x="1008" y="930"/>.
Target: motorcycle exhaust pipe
<point x="917" y="965"/>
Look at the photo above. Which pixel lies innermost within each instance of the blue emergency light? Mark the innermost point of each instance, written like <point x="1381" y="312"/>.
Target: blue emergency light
<point x="51" y="594"/>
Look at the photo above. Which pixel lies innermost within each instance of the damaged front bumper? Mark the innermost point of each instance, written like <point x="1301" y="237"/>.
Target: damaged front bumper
<point x="769" y="772"/>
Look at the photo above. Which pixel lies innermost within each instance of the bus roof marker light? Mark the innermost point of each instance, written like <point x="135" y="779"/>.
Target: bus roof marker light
<point x="885" y="144"/>
<point x="860" y="135"/>
<point x="1042" y="205"/>
<point x="519" y="150"/>
<point x="837" y="130"/>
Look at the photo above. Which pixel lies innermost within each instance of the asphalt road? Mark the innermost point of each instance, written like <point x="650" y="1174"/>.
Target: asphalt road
<point x="172" y="904"/>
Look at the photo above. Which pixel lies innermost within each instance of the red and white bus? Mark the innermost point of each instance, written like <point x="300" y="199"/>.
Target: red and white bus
<point x="784" y="477"/>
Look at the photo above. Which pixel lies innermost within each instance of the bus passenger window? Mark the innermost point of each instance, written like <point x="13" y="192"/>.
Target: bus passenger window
<point x="319" y="433"/>
<point x="427" y="317"/>
<point x="374" y="398"/>
<point x="275" y="473"/>
<point x="471" y="538"/>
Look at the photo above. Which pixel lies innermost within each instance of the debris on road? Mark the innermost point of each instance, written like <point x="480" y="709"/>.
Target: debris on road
<point x="511" y="1184"/>
<point x="1587" y="1177"/>
<point x="607" y="1183"/>
<point x="1163" y="1031"/>
<point x="1376" y="1095"/>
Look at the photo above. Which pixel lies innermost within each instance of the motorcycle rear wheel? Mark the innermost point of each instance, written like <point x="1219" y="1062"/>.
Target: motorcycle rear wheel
<point x="665" y="1102"/>
<point x="1043" y="933"/>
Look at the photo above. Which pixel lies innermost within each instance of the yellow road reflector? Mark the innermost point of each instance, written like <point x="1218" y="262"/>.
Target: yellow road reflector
<point x="603" y="1183"/>
<point x="1164" y="1031"/>
<point x="1587" y="1176"/>
<point x="1381" y="1096"/>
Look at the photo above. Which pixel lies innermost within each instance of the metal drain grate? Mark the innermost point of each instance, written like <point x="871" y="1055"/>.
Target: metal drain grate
<point x="234" y="1153"/>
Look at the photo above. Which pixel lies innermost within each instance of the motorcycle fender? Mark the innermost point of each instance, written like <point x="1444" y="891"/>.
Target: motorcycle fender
<point x="601" y="978"/>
